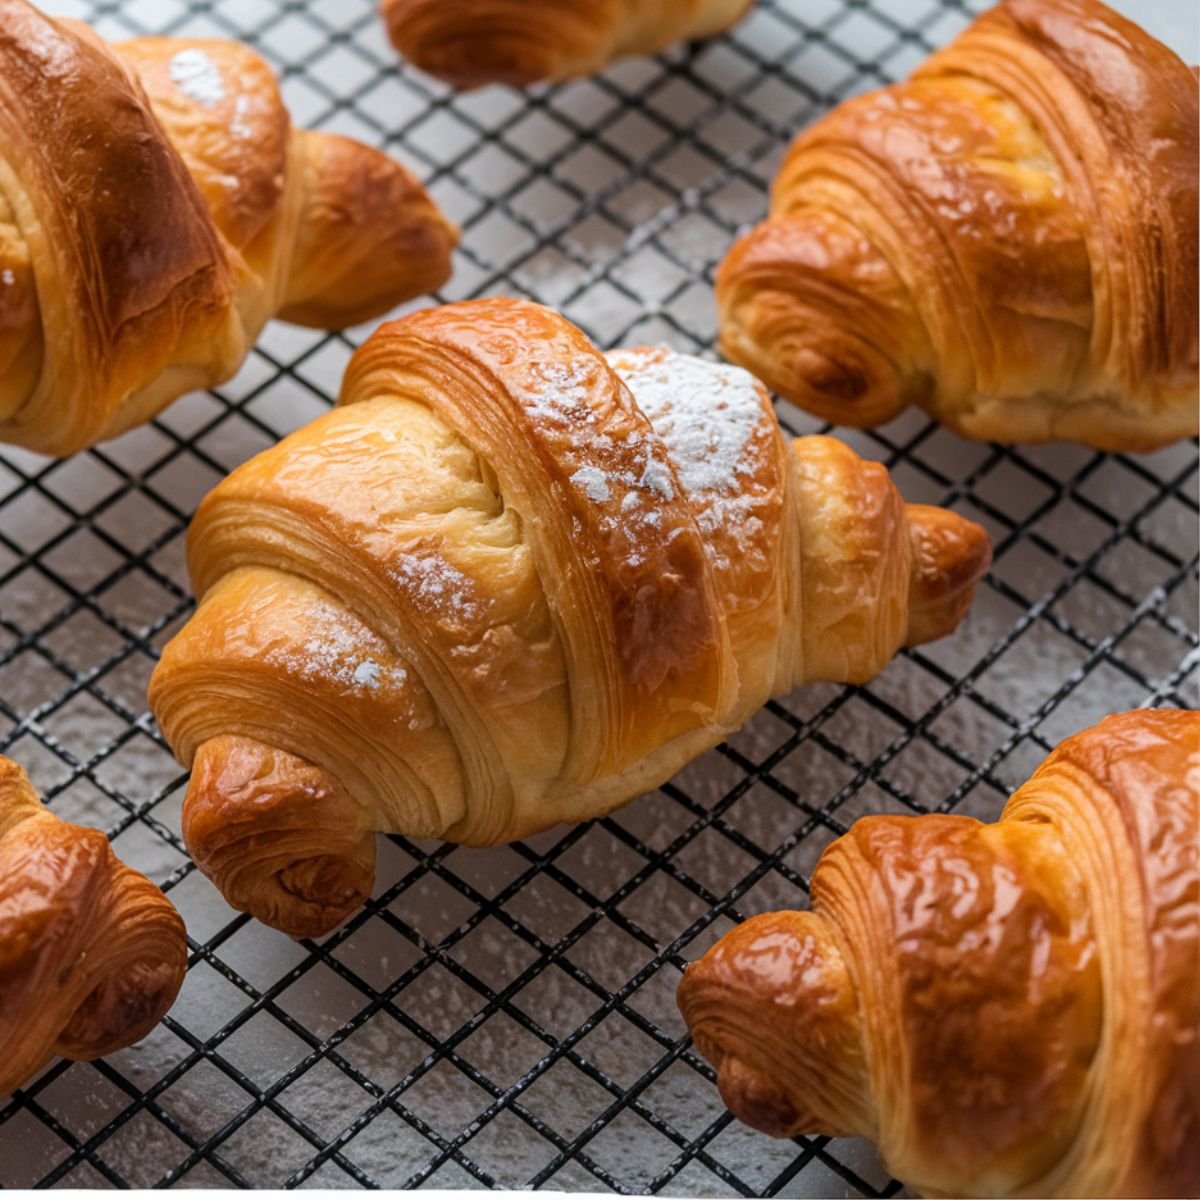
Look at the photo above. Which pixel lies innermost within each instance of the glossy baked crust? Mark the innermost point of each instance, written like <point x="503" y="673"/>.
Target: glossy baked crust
<point x="1008" y="239"/>
<point x="92" y="954"/>
<point x="509" y="582"/>
<point x="156" y="208"/>
<point x="472" y="42"/>
<point x="1007" y="1010"/>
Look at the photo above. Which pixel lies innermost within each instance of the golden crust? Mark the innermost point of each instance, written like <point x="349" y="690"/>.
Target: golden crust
<point x="1007" y="1009"/>
<point x="1008" y="240"/>
<point x="512" y="581"/>
<point x="235" y="143"/>
<point x="469" y="43"/>
<point x="369" y="234"/>
<point x="92" y="954"/>
<point x="233" y="778"/>
<point x="125" y="259"/>
<point x="156" y="209"/>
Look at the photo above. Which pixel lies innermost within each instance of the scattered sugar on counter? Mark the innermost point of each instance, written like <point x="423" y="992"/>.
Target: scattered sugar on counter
<point x="197" y="77"/>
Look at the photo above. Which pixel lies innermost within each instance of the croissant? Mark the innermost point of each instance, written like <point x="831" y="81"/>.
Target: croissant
<point x="472" y="42"/>
<point x="511" y="582"/>
<point x="156" y="208"/>
<point x="92" y="954"/>
<point x="1009" y="1009"/>
<point x="1007" y="240"/>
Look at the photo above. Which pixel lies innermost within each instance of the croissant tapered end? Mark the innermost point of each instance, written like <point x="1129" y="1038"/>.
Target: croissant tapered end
<point x="92" y="954"/>
<point x="370" y="236"/>
<point x="469" y="46"/>
<point x="812" y="308"/>
<point x="773" y="1008"/>
<point x="876" y="573"/>
<point x="475" y="42"/>
<point x="950" y="555"/>
<point x="280" y="837"/>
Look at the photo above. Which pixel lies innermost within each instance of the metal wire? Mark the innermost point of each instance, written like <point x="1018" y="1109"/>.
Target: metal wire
<point x="506" y="1017"/>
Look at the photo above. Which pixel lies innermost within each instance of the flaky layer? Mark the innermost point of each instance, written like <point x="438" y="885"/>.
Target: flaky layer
<point x="1006" y="1009"/>
<point x="512" y="581"/>
<point x="1008" y="239"/>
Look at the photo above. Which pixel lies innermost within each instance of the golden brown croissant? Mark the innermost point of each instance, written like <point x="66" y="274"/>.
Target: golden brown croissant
<point x="92" y="954"/>
<point x="472" y="42"/>
<point x="1008" y="240"/>
<point x="510" y="582"/>
<point x="1008" y="1009"/>
<point x="156" y="208"/>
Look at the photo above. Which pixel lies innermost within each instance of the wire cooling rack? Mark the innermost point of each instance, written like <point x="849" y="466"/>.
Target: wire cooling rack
<point x="507" y="1017"/>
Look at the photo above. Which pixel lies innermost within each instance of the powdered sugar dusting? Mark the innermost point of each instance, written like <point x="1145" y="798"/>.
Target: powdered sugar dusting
<point x="240" y="126"/>
<point x="593" y="482"/>
<point x="336" y="652"/>
<point x="366" y="674"/>
<point x="560" y="392"/>
<point x="559" y="400"/>
<point x="197" y="77"/>
<point x="436" y="584"/>
<point x="706" y="415"/>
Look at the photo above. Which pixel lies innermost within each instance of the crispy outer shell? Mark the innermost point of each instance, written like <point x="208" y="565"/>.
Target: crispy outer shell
<point x="92" y="954"/>
<point x="156" y="208"/>
<point x="472" y="42"/>
<point x="512" y="581"/>
<point x="1007" y="1009"/>
<point x="1007" y="239"/>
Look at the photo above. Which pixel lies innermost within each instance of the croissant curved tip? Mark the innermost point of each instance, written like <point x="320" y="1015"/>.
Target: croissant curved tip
<point x="793" y="311"/>
<point x="470" y="50"/>
<point x="278" y="835"/>
<point x="950" y="555"/>
<point x="370" y="236"/>
<point x="770" y="1003"/>
<point x="131" y="1001"/>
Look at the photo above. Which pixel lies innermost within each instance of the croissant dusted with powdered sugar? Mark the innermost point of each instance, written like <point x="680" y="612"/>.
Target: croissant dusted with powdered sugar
<point x="92" y="954"/>
<point x="472" y="42"/>
<point x="511" y="582"/>
<point x="1007" y="1010"/>
<point x="156" y="208"/>
<point x="1008" y="240"/>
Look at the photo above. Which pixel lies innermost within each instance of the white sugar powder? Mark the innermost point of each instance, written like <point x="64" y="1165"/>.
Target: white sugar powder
<point x="706" y="415"/>
<point x="593" y="482"/>
<point x="197" y="76"/>
<point x="657" y="477"/>
<point x="436" y="584"/>
<point x="335" y="652"/>
<point x="239" y="126"/>
<point x="367" y="673"/>
<point x="558" y="398"/>
<point x="560" y="391"/>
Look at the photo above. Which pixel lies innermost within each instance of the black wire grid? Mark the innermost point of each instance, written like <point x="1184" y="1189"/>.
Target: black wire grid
<point x="507" y="1017"/>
